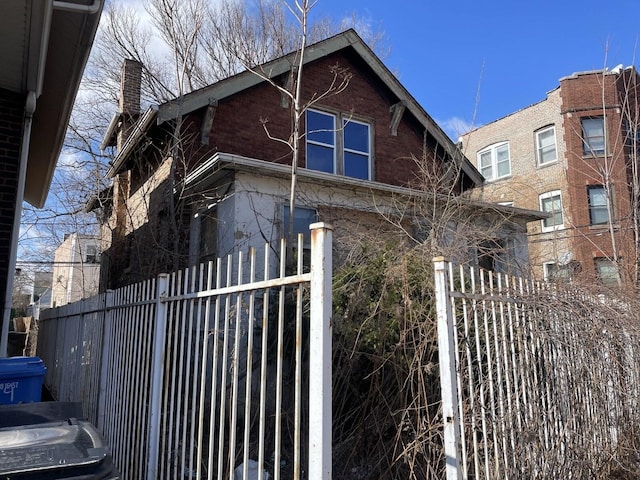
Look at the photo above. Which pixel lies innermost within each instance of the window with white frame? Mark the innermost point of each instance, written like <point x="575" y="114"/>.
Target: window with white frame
<point x="551" y="203"/>
<point x="546" y="145"/>
<point x="494" y="161"/>
<point x="598" y="211"/>
<point x="91" y="254"/>
<point x="593" y="135"/>
<point x="343" y="151"/>
<point x="554" y="272"/>
<point x="606" y="271"/>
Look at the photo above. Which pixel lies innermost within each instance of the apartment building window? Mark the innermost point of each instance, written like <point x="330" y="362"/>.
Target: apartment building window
<point x="345" y="151"/>
<point x="606" y="271"/>
<point x="546" y="145"/>
<point x="593" y="135"/>
<point x="554" y="272"/>
<point x="91" y="254"/>
<point x="598" y="212"/>
<point x="551" y="202"/>
<point x="494" y="161"/>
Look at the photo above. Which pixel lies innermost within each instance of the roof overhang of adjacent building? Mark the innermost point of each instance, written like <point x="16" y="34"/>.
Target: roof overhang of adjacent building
<point x="45" y="45"/>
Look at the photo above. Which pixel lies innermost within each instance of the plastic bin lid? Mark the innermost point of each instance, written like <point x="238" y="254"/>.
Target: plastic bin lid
<point x="11" y="367"/>
<point x="46" y="448"/>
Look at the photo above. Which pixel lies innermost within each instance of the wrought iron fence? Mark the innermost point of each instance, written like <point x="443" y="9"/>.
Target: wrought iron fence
<point x="537" y="381"/>
<point x="219" y="371"/>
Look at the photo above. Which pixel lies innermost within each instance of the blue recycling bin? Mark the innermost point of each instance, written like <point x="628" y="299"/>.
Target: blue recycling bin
<point x="21" y="379"/>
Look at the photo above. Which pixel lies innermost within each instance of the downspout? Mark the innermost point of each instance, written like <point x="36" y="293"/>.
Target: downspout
<point x="30" y="107"/>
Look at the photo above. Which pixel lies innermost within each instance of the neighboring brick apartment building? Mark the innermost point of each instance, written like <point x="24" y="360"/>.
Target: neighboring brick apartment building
<point x="573" y="155"/>
<point x="230" y="189"/>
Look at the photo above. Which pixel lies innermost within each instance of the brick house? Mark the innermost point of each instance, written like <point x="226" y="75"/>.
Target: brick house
<point x="225" y="184"/>
<point x="571" y="155"/>
<point x="44" y="50"/>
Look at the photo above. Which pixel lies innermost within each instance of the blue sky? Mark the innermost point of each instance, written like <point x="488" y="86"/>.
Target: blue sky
<point x="511" y="52"/>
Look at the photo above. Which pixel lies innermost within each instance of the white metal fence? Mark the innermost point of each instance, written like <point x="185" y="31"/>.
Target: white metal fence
<point x="537" y="382"/>
<point x="220" y="371"/>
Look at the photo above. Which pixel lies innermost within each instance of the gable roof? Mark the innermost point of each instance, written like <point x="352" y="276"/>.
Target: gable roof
<point x="247" y="79"/>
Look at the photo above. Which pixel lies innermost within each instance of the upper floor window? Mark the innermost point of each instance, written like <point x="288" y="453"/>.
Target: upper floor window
<point x="598" y="211"/>
<point x="546" y="145"/>
<point x="593" y="135"/>
<point x="345" y="151"/>
<point x="494" y="161"/>
<point x="91" y="254"/>
<point x="551" y="202"/>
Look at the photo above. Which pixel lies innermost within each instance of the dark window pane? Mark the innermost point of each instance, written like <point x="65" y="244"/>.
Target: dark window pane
<point x="302" y="218"/>
<point x="356" y="136"/>
<point x="320" y="127"/>
<point x="356" y="166"/>
<point x="320" y="158"/>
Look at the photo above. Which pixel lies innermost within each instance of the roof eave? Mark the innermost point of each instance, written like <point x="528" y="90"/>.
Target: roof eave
<point x="70" y="39"/>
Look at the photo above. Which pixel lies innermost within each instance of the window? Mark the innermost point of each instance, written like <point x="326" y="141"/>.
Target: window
<point x="91" y="254"/>
<point x="321" y="141"/>
<point x="345" y="152"/>
<point x="208" y="235"/>
<point x="546" y="145"/>
<point x="551" y="202"/>
<point x="554" y="272"/>
<point x="302" y="218"/>
<point x="593" y="136"/>
<point x="494" y="161"/>
<point x="606" y="272"/>
<point x="598" y="213"/>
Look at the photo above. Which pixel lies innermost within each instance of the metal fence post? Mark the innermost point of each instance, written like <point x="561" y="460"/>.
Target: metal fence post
<point x="320" y="353"/>
<point x="447" y="360"/>
<point x="105" y="357"/>
<point x="157" y="367"/>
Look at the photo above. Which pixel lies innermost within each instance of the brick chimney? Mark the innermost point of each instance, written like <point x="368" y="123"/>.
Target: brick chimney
<point x="129" y="103"/>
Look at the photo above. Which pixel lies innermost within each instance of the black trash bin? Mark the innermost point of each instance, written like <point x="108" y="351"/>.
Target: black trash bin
<point x="35" y="443"/>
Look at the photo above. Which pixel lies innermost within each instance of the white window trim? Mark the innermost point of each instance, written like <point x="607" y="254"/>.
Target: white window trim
<point x="587" y="148"/>
<point x="369" y="154"/>
<point x="494" y="160"/>
<point x="333" y="146"/>
<point x="338" y="146"/>
<point x="544" y="196"/>
<point x="538" y="146"/>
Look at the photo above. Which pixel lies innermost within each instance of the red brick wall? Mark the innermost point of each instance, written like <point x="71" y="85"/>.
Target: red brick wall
<point x="11" y="106"/>
<point x="238" y="123"/>
<point x="590" y="96"/>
